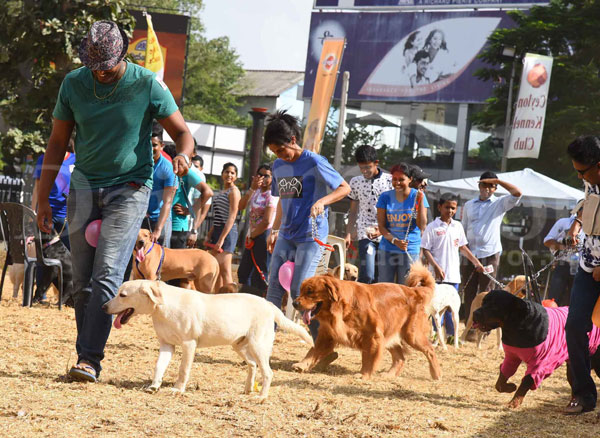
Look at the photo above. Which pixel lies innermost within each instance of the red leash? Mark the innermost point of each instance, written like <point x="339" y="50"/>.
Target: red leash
<point x="351" y="250"/>
<point x="315" y="235"/>
<point x="249" y="246"/>
<point x="213" y="246"/>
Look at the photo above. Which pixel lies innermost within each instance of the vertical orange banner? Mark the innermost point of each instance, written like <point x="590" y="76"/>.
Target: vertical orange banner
<point x="331" y="58"/>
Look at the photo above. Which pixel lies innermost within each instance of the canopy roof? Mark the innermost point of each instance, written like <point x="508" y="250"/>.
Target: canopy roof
<point x="538" y="190"/>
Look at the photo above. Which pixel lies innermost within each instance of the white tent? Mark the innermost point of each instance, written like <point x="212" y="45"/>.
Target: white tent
<point x="538" y="190"/>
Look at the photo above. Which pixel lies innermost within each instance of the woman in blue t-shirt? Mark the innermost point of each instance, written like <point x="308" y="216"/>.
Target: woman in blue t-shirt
<point x="302" y="180"/>
<point x="402" y="217"/>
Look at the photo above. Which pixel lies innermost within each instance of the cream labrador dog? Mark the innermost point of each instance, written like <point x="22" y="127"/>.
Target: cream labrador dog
<point x="194" y="319"/>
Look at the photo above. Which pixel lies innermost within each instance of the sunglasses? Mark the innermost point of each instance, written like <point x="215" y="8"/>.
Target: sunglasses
<point x="264" y="175"/>
<point x="584" y="171"/>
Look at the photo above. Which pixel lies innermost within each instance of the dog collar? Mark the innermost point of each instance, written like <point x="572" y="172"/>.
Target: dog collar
<point x="137" y="262"/>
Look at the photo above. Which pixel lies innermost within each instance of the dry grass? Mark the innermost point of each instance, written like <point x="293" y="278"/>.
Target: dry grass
<point x="36" y="400"/>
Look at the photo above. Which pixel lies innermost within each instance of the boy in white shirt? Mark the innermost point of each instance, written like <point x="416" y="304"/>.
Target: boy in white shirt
<point x="441" y="242"/>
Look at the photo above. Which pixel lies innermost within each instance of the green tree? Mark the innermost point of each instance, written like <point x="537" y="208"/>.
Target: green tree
<point x="357" y="135"/>
<point x="38" y="47"/>
<point x="213" y="69"/>
<point x="568" y="31"/>
<point x="213" y="75"/>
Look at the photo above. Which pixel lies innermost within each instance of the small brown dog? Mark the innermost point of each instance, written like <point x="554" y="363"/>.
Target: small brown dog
<point x="350" y="272"/>
<point x="196" y="269"/>
<point x="370" y="318"/>
<point x="516" y="287"/>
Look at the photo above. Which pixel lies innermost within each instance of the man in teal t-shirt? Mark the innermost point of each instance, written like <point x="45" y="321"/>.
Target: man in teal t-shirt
<point x="112" y="104"/>
<point x="182" y="232"/>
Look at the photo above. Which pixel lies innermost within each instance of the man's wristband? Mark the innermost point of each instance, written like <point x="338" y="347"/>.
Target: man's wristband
<point x="185" y="156"/>
<point x="393" y="240"/>
<point x="193" y="231"/>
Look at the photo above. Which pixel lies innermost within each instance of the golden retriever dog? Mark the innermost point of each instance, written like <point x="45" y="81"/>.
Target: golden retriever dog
<point x="194" y="319"/>
<point x="370" y="318"/>
<point x="350" y="272"/>
<point x="516" y="287"/>
<point x="196" y="268"/>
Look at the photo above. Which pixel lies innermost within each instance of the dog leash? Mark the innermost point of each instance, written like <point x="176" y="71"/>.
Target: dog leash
<point x="250" y="246"/>
<point x="502" y="286"/>
<point x="162" y="258"/>
<point x="558" y="256"/>
<point x="412" y="211"/>
<point x="213" y="246"/>
<point x="315" y="234"/>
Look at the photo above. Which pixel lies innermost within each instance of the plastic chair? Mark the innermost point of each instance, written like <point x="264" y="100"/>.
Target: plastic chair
<point x="19" y="222"/>
<point x="339" y="245"/>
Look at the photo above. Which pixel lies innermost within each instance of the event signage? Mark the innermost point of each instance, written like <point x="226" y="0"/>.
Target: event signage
<point x="424" y="4"/>
<point x="404" y="56"/>
<point x="530" y="108"/>
<point x="172" y="32"/>
<point x="326" y="76"/>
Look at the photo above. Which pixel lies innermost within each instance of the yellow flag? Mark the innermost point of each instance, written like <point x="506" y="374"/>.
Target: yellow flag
<point x="154" y="58"/>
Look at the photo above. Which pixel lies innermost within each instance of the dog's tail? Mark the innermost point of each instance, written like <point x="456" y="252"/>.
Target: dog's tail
<point x="420" y="277"/>
<point x="288" y="325"/>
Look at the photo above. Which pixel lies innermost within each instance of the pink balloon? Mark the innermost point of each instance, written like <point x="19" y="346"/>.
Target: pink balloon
<point x="92" y="232"/>
<point x="286" y="273"/>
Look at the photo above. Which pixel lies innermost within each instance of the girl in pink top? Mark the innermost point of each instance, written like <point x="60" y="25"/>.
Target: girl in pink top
<point x="261" y="204"/>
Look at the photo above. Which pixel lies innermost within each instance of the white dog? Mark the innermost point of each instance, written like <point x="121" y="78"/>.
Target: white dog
<point x="16" y="271"/>
<point x="194" y="319"/>
<point x="445" y="297"/>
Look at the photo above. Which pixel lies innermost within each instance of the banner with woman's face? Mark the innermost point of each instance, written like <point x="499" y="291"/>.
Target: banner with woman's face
<point x="426" y="56"/>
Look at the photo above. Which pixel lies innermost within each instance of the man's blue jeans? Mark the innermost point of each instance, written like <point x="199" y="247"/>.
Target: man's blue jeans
<point x="584" y="295"/>
<point x="367" y="253"/>
<point x="98" y="272"/>
<point x="306" y="257"/>
<point x="393" y="266"/>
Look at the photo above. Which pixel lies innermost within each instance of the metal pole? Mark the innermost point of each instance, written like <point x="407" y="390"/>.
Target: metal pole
<point x="337" y="159"/>
<point x="508" y="117"/>
<point x="258" y="124"/>
<point x="187" y="51"/>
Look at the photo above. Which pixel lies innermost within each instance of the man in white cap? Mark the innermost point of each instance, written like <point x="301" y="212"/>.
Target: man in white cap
<point x="481" y="219"/>
<point x="111" y="102"/>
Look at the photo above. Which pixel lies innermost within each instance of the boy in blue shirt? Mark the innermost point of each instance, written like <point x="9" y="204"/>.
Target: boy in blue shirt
<point x="164" y="185"/>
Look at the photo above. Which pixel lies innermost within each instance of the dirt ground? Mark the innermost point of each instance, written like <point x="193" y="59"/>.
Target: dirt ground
<point x="37" y="348"/>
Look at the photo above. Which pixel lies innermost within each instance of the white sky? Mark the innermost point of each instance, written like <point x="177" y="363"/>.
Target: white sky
<point x="267" y="34"/>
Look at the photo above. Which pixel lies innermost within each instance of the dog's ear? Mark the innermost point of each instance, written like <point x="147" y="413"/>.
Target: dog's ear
<point x="154" y="293"/>
<point x="332" y="289"/>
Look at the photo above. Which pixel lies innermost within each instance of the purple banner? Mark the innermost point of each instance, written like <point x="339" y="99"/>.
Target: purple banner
<point x="417" y="57"/>
<point x="424" y="4"/>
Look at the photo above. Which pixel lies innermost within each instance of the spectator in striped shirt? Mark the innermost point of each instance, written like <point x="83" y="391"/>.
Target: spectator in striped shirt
<point x="223" y="235"/>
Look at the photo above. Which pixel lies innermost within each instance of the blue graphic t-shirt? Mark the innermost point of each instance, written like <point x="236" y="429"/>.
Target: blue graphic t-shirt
<point x="162" y="177"/>
<point x="60" y="188"/>
<point x="299" y="185"/>
<point x="397" y="221"/>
